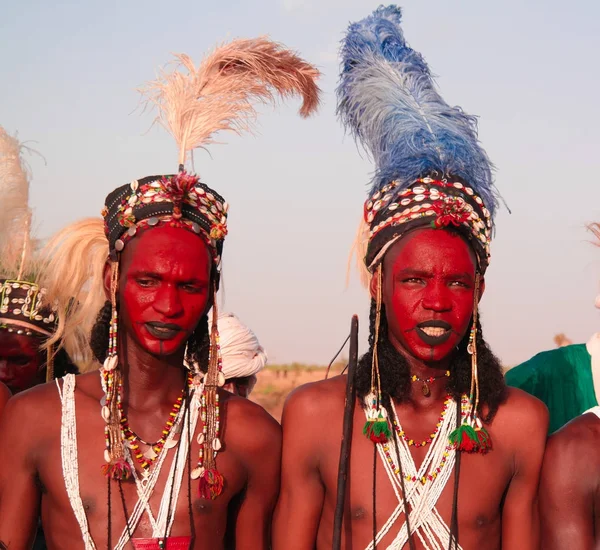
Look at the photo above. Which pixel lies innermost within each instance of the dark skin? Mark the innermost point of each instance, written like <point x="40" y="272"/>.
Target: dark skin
<point x="569" y="489"/>
<point x="4" y="396"/>
<point x="240" y="385"/>
<point x="21" y="361"/>
<point x="427" y="275"/>
<point x="174" y="288"/>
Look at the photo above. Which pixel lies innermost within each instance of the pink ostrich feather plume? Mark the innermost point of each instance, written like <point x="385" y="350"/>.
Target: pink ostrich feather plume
<point x="196" y="102"/>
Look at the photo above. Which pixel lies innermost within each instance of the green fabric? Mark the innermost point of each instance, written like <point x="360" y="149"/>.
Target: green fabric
<point x="561" y="378"/>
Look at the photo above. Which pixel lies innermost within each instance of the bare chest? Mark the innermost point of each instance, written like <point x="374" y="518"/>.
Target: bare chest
<point x="106" y="505"/>
<point x="374" y="500"/>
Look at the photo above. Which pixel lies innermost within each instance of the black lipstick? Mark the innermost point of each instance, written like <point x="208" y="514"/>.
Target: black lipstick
<point x="434" y="340"/>
<point x="162" y="331"/>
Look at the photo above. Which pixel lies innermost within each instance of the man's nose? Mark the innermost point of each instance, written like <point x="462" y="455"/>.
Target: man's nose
<point x="437" y="298"/>
<point x="167" y="301"/>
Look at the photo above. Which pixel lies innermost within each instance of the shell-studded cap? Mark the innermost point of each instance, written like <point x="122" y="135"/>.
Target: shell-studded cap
<point x="178" y="200"/>
<point x="22" y="309"/>
<point x="430" y="202"/>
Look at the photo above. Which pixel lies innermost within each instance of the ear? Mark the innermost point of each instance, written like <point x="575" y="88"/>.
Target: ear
<point x="374" y="282"/>
<point x="107" y="277"/>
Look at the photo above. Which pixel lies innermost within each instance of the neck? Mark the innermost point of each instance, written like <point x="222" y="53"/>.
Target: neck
<point x="425" y="370"/>
<point x="149" y="380"/>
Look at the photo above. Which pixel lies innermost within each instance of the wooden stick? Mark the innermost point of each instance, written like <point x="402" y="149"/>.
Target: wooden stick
<point x="346" y="436"/>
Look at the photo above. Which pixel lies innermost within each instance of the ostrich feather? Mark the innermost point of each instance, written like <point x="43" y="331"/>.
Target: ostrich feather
<point x="15" y="214"/>
<point x="388" y="100"/>
<point x="71" y="267"/>
<point x="195" y="103"/>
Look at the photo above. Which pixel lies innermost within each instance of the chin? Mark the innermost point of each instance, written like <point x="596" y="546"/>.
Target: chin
<point x="427" y="354"/>
<point x="163" y="348"/>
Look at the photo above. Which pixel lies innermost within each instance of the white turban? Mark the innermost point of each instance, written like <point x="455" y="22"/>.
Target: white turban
<point x="241" y="352"/>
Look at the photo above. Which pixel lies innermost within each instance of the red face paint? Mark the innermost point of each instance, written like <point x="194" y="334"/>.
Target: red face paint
<point x="164" y="288"/>
<point x="20" y="361"/>
<point x="428" y="286"/>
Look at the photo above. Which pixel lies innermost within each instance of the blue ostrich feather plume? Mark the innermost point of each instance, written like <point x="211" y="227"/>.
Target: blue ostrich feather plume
<point x="388" y="100"/>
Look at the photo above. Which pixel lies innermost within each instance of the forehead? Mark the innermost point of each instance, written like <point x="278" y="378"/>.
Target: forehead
<point x="432" y="250"/>
<point x="165" y="250"/>
<point x="11" y="342"/>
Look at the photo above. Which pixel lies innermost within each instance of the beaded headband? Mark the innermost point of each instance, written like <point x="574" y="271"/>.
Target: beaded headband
<point x="177" y="200"/>
<point x="22" y="310"/>
<point x="393" y="211"/>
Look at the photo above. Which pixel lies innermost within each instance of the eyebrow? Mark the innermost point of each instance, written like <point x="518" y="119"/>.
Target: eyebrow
<point x="158" y="276"/>
<point x="408" y="272"/>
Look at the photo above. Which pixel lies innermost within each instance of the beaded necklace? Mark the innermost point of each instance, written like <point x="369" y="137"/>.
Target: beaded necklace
<point x="411" y="442"/>
<point x="428" y="482"/>
<point x="146" y="459"/>
<point x="425" y="389"/>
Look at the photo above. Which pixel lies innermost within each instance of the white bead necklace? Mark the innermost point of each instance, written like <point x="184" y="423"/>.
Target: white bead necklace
<point x="425" y="520"/>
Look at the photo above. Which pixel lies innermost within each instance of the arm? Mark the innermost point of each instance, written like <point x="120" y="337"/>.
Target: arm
<point x="298" y="511"/>
<point x="19" y="494"/>
<point x="528" y="429"/>
<point x="569" y="481"/>
<point x="260" y="436"/>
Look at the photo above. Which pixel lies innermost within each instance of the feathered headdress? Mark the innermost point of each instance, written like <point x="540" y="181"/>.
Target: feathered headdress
<point x="15" y="215"/>
<point x="219" y="94"/>
<point x="193" y="104"/>
<point x="429" y="165"/>
<point x="22" y="307"/>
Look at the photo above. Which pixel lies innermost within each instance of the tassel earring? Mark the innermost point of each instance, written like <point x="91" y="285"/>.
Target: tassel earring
<point x="211" y="481"/>
<point x="471" y="436"/>
<point x="377" y="427"/>
<point x="116" y="466"/>
<point x="50" y="364"/>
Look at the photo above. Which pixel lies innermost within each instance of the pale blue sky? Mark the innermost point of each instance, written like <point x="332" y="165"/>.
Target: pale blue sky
<point x="529" y="70"/>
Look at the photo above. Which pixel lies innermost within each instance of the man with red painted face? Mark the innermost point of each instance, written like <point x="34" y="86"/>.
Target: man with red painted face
<point x="442" y="453"/>
<point x="147" y="453"/>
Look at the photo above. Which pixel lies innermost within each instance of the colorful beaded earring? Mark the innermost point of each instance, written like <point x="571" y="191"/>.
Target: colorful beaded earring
<point x="471" y="436"/>
<point x="211" y="481"/>
<point x="377" y="427"/>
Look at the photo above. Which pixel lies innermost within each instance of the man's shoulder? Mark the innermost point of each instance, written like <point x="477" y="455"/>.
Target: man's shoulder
<point x="577" y="442"/>
<point x="317" y="398"/>
<point x="584" y="430"/>
<point x="524" y="411"/>
<point x="32" y="410"/>
<point x="251" y="428"/>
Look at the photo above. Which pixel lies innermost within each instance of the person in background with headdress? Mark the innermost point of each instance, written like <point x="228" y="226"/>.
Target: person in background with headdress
<point x="566" y="379"/>
<point x="569" y="497"/>
<point x="243" y="356"/>
<point x="145" y="453"/>
<point x="436" y="432"/>
<point x="26" y="319"/>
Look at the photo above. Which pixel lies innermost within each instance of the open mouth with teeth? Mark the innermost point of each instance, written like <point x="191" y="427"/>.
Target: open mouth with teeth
<point x="434" y="333"/>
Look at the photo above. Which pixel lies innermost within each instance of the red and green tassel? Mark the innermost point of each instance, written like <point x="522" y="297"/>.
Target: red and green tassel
<point x="211" y="484"/>
<point x="471" y="440"/>
<point x="119" y="470"/>
<point x="377" y="429"/>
